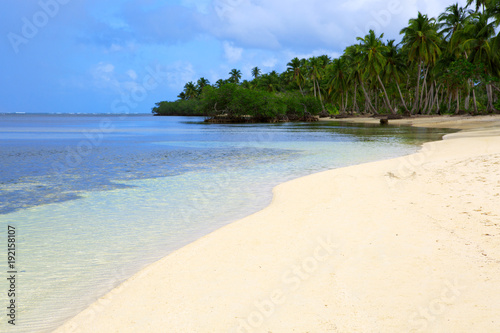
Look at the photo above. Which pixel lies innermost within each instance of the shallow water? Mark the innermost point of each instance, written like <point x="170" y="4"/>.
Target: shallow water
<point x="96" y="198"/>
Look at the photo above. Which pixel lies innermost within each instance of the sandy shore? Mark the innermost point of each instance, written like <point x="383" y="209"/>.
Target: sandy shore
<point x="405" y="245"/>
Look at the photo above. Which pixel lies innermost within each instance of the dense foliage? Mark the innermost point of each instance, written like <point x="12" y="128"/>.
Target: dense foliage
<point x="446" y="65"/>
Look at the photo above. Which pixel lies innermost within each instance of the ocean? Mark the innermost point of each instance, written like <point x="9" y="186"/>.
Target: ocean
<point x="95" y="198"/>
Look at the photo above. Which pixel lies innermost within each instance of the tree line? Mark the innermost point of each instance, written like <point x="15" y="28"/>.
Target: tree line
<point x="449" y="64"/>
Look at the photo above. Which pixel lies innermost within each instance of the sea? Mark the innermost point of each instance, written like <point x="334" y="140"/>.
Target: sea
<point x="88" y="200"/>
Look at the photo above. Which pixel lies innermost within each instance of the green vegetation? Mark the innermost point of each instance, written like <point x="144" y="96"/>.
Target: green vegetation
<point x="446" y="65"/>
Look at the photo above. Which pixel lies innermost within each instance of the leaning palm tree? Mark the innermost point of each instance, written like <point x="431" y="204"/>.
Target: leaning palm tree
<point x="373" y="60"/>
<point x="314" y="74"/>
<point x="395" y="68"/>
<point x="422" y="42"/>
<point x="478" y="44"/>
<point x="353" y="56"/>
<point x="235" y="75"/>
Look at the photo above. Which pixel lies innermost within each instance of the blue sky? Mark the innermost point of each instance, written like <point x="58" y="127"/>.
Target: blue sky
<point x="125" y="55"/>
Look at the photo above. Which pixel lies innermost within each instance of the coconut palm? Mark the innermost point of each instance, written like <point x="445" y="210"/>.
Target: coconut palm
<point x="453" y="19"/>
<point x="478" y="38"/>
<point x="220" y="83"/>
<point x="202" y="83"/>
<point x="422" y="42"/>
<point x="338" y="82"/>
<point x="296" y="66"/>
<point x="395" y="68"/>
<point x="235" y="75"/>
<point x="353" y="57"/>
<point x="494" y="11"/>
<point x="479" y="4"/>
<point x="190" y="90"/>
<point x="373" y="60"/>
<point x="256" y="72"/>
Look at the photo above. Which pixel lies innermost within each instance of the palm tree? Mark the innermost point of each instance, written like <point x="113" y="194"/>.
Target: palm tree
<point x="256" y="72"/>
<point x="395" y="68"/>
<point x="202" y="83"/>
<point x="190" y="90"/>
<point x="315" y="74"/>
<point x="453" y="19"/>
<point x="478" y="38"/>
<point x="422" y="41"/>
<point x="295" y="66"/>
<point x="373" y="60"/>
<point x="324" y="60"/>
<point x="479" y="4"/>
<point x="353" y="57"/>
<point x="220" y="83"/>
<point x="494" y="11"/>
<point x="235" y="75"/>
<point x="338" y="80"/>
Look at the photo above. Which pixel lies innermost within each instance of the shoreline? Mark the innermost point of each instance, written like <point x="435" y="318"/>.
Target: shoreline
<point x="318" y="257"/>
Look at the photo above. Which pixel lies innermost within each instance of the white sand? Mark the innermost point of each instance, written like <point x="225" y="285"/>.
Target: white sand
<point x="406" y="245"/>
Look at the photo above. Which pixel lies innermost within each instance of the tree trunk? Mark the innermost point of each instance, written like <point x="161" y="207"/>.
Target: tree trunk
<point x="424" y="86"/>
<point x="489" y="91"/>
<point x="401" y="95"/>
<point x="457" y="96"/>
<point x="314" y="87"/>
<point x="367" y="99"/>
<point x="428" y="99"/>
<point x="474" y="100"/>
<point x="436" y="98"/>
<point x="355" y="106"/>
<point x="417" y="89"/>
<point x="385" y="94"/>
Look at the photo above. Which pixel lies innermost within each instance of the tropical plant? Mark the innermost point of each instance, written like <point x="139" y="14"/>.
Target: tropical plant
<point x="422" y="42"/>
<point x="235" y="76"/>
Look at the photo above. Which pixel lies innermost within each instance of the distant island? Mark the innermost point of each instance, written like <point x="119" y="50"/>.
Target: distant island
<point x="448" y="65"/>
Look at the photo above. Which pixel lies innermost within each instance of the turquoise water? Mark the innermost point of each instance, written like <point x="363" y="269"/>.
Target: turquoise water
<point x="96" y="198"/>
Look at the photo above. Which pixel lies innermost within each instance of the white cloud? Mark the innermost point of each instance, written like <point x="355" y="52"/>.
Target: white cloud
<point x="313" y="24"/>
<point x="271" y="62"/>
<point x="232" y="53"/>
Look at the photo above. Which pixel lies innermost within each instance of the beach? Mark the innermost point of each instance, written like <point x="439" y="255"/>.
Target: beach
<point x="410" y="244"/>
